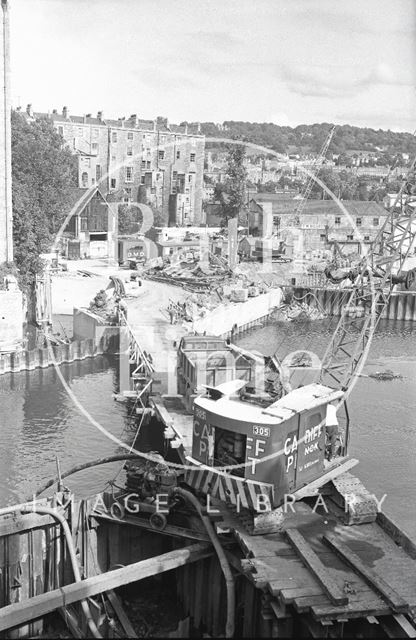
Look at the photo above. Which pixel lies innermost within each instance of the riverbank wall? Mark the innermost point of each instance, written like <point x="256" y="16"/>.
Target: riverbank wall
<point x="28" y="360"/>
<point x="236" y="318"/>
<point x="401" y="306"/>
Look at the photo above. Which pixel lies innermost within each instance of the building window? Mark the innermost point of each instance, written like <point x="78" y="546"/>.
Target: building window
<point x="113" y="183"/>
<point x="161" y="155"/>
<point x="358" y="222"/>
<point x="337" y="220"/>
<point x="130" y="135"/>
<point x="94" y="147"/>
<point x="323" y="236"/>
<point x="376" y="222"/>
<point x="61" y="131"/>
<point x="142" y="179"/>
<point x="98" y="172"/>
<point x="162" y="139"/>
<point x="143" y="164"/>
<point x="80" y="132"/>
<point x="350" y="238"/>
<point x="192" y="157"/>
<point x="148" y="164"/>
<point x="87" y="162"/>
<point x="95" y="133"/>
<point x="178" y="155"/>
<point x="114" y="137"/>
<point x="113" y="158"/>
<point x="129" y="151"/>
<point x="367" y="238"/>
<point x="84" y="179"/>
<point x="129" y="174"/>
<point x="190" y="178"/>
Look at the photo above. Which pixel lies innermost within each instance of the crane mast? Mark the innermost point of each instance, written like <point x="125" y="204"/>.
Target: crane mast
<point x="311" y="179"/>
<point x="374" y="281"/>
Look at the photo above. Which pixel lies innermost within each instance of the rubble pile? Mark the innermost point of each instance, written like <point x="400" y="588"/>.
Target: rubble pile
<point x="299" y="311"/>
<point x="188" y="276"/>
<point x="106" y="307"/>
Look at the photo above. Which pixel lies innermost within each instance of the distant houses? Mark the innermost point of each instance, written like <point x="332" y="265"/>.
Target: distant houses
<point x="353" y="225"/>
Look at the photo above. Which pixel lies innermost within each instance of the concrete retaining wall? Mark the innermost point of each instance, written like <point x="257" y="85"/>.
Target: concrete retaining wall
<point x="242" y="315"/>
<point x="401" y="306"/>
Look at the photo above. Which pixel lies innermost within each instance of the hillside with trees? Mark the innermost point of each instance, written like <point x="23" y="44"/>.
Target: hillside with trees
<point x="306" y="138"/>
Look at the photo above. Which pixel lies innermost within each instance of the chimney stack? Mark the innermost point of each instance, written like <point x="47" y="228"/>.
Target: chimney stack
<point x="65" y="112"/>
<point x="88" y="115"/>
<point x="100" y="116"/>
<point x="134" y="119"/>
<point x="54" y="111"/>
<point x="29" y="110"/>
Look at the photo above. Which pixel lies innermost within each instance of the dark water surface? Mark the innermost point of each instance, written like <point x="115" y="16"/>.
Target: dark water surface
<point x="38" y="420"/>
<point x="383" y="414"/>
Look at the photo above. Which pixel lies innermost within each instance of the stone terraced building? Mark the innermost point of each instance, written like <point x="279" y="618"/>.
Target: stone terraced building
<point x="136" y="160"/>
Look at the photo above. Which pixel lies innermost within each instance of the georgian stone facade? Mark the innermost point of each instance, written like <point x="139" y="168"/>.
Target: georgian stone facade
<point x="135" y="160"/>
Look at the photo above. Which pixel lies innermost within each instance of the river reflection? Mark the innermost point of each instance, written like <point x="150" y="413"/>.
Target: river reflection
<point x="39" y="421"/>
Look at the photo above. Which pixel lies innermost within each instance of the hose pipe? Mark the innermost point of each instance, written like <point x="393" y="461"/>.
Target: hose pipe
<point x="225" y="566"/>
<point x="70" y="544"/>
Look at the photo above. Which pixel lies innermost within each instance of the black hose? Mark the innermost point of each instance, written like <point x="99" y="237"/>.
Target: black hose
<point x="225" y="567"/>
<point x="86" y="465"/>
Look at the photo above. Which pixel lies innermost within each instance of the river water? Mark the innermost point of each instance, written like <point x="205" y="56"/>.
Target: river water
<point x="38" y="419"/>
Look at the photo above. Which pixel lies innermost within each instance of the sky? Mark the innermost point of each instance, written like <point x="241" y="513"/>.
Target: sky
<point x="288" y="62"/>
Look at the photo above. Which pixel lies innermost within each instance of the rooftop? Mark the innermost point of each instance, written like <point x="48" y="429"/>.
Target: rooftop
<point x="317" y="207"/>
<point x="133" y="122"/>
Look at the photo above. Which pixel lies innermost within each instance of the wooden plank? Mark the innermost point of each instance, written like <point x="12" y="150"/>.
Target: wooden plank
<point x="216" y="600"/>
<point x="143" y="523"/>
<point x="200" y="597"/>
<point x="321" y="573"/>
<point x="163" y="413"/>
<point x="20" y="612"/>
<point x="121" y="614"/>
<point x="375" y="581"/>
<point x="304" y="603"/>
<point x="289" y="582"/>
<point x="289" y="595"/>
<point x="248" y="612"/>
<point x="334" y="472"/>
<point x="3" y="572"/>
<point x="356" y="610"/>
<point x="36" y="555"/>
<point x="279" y="610"/>
<point x="24" y="522"/>
<point x="395" y="533"/>
<point x="405" y="625"/>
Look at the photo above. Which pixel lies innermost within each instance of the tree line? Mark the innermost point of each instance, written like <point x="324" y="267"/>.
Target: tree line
<point x="307" y="138"/>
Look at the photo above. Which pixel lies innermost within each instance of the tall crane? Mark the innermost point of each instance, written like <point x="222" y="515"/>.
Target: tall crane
<point x="311" y="179"/>
<point x="373" y="283"/>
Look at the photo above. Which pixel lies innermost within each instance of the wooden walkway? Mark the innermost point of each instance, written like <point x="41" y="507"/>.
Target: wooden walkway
<point x="331" y="571"/>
